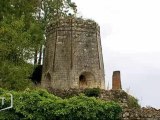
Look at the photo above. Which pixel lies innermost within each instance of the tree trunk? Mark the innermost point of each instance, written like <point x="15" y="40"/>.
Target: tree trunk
<point x="35" y="57"/>
<point x="40" y="56"/>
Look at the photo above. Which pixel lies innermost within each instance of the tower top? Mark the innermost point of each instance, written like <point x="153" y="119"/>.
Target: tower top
<point x="75" y="23"/>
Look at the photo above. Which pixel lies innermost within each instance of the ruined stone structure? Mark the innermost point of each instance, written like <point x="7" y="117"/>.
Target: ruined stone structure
<point x="73" y="55"/>
<point x="130" y="111"/>
<point x="116" y="80"/>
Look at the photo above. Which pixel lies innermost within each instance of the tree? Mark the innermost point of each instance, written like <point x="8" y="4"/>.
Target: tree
<point x="16" y="28"/>
<point x="23" y="25"/>
<point x="23" y="32"/>
<point x="50" y="11"/>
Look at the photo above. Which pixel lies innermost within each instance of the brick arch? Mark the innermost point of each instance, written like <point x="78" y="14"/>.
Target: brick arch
<point x="86" y="80"/>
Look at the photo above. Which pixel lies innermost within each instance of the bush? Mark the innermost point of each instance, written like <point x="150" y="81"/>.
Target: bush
<point x="133" y="102"/>
<point x="92" y="92"/>
<point x="15" y="77"/>
<point x="40" y="105"/>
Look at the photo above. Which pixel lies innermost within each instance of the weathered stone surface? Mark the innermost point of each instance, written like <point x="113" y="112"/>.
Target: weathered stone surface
<point x="119" y="96"/>
<point x="73" y="55"/>
<point x="141" y="114"/>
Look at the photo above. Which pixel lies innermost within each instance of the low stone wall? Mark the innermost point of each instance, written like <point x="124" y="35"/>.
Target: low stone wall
<point x="130" y="112"/>
<point x="119" y="96"/>
<point x="115" y="95"/>
<point x="141" y="114"/>
<point x="108" y="95"/>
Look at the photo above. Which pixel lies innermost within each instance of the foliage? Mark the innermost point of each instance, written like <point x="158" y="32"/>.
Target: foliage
<point x="15" y="77"/>
<point x="18" y="43"/>
<point x="133" y="102"/>
<point x="40" y="105"/>
<point x="23" y="24"/>
<point x="92" y="92"/>
<point x="22" y="35"/>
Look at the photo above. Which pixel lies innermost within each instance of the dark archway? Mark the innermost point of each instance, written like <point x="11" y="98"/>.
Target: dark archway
<point x="86" y="80"/>
<point x="82" y="81"/>
<point x="36" y="75"/>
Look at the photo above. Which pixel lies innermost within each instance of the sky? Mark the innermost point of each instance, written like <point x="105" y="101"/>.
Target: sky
<point x="130" y="35"/>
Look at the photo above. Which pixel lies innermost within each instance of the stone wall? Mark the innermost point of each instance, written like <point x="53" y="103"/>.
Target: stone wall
<point x="130" y="112"/>
<point x="141" y="114"/>
<point x="73" y="55"/>
<point x="119" y="96"/>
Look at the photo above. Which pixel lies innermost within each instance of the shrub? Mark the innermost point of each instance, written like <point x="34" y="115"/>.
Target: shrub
<point x="40" y="105"/>
<point x="15" y="77"/>
<point x="133" y="102"/>
<point x="92" y="92"/>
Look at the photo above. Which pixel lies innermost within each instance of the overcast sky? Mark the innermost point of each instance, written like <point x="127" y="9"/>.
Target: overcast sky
<point x="130" y="34"/>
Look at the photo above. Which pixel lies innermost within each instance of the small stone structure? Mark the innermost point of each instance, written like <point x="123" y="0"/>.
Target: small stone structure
<point x="73" y="55"/>
<point x="116" y="80"/>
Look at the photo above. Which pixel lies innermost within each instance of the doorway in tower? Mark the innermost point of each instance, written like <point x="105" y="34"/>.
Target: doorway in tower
<point x="86" y="80"/>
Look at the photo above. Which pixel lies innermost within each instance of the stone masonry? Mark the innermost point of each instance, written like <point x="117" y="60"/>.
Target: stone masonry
<point x="73" y="55"/>
<point x="141" y="114"/>
<point x="116" y="80"/>
<point x="130" y="111"/>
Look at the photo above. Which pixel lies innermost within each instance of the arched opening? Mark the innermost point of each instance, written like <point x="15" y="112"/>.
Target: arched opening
<point x="86" y="80"/>
<point x="82" y="81"/>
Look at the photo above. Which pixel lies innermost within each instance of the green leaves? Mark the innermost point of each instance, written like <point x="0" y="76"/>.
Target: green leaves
<point x="40" y="105"/>
<point x="15" y="77"/>
<point x="92" y="92"/>
<point x="23" y="33"/>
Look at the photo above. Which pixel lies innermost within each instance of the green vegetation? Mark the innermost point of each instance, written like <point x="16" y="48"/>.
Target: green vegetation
<point x="92" y="92"/>
<point x="23" y="26"/>
<point x="22" y="36"/>
<point x="40" y="105"/>
<point x="15" y="77"/>
<point x="133" y="102"/>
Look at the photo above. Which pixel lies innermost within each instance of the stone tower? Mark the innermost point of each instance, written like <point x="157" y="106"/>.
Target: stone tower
<point x="116" y="81"/>
<point x="73" y="55"/>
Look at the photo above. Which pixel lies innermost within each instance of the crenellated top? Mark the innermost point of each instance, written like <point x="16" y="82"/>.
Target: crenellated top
<point x="74" y="24"/>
